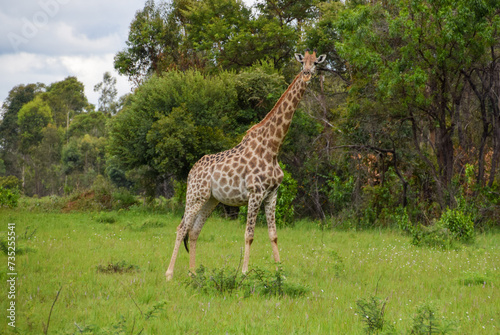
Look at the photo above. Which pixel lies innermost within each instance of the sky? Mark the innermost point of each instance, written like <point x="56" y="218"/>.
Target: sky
<point x="48" y="40"/>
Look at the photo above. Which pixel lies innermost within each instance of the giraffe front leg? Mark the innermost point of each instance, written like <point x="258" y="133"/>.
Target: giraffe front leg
<point x="253" y="208"/>
<point x="270" y="207"/>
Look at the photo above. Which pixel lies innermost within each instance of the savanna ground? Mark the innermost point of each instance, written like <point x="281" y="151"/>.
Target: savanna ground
<point x="109" y="269"/>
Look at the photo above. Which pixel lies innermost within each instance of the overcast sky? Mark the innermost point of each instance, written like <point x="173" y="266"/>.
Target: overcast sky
<point x="48" y="40"/>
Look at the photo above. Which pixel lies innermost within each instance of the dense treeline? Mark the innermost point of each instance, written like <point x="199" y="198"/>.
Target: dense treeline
<point x="403" y="121"/>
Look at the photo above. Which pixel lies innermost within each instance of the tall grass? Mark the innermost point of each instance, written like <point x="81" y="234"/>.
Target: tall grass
<point x="339" y="268"/>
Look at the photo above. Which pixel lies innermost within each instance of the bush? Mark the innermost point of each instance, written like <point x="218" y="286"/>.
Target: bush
<point x="8" y="198"/>
<point x="433" y="236"/>
<point x="459" y="223"/>
<point x="123" y="199"/>
<point x="454" y="225"/>
<point x="372" y="312"/>
<point x="426" y="321"/>
<point x="10" y="182"/>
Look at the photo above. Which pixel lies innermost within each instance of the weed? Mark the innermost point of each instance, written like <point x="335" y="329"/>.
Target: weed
<point x="153" y="223"/>
<point x="28" y="235"/>
<point x="220" y="281"/>
<point x="159" y="306"/>
<point x="104" y="218"/>
<point x="426" y="321"/>
<point x="226" y="281"/>
<point x="372" y="313"/>
<point x="471" y="278"/>
<point x="19" y="249"/>
<point x="436" y="235"/>
<point x="119" y="267"/>
<point x="338" y="263"/>
<point x="273" y="284"/>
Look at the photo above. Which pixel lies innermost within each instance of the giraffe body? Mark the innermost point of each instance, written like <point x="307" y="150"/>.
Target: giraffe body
<point x="248" y="174"/>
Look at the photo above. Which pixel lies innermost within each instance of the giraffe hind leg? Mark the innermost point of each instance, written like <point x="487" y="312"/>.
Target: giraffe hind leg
<point x="183" y="229"/>
<point x="195" y="230"/>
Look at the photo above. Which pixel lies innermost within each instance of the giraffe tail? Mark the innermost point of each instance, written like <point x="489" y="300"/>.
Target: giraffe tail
<point x="186" y="239"/>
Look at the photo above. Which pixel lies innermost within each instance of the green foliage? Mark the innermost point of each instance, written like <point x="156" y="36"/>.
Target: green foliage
<point x="10" y="182"/>
<point x="403" y="221"/>
<point x="227" y="282"/>
<point x="118" y="267"/>
<point x="460" y="224"/>
<point x="196" y="109"/>
<point x="340" y="191"/>
<point x="124" y="199"/>
<point x="104" y="218"/>
<point x="153" y="42"/>
<point x="372" y="312"/>
<point x="427" y="321"/>
<point x="287" y="192"/>
<point x="470" y="278"/>
<point x="66" y="98"/>
<point x="435" y="235"/>
<point x="32" y="118"/>
<point x="108" y="93"/>
<point x="8" y="197"/>
<point x="153" y="223"/>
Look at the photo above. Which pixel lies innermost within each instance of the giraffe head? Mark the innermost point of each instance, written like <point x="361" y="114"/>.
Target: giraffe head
<point x="309" y="62"/>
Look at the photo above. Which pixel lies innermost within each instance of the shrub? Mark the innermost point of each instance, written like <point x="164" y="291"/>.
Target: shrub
<point x="454" y="225"/>
<point x="123" y="199"/>
<point x="459" y="223"/>
<point x="433" y="236"/>
<point x="426" y="321"/>
<point x="10" y="182"/>
<point x="8" y="198"/>
<point x="372" y="312"/>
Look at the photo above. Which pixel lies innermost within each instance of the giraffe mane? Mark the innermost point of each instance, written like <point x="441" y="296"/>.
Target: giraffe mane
<point x="271" y="113"/>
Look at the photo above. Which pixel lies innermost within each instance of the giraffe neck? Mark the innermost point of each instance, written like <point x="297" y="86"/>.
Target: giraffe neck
<point x="271" y="131"/>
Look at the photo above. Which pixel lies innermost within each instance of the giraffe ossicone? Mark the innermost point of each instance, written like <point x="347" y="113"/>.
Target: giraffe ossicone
<point x="248" y="174"/>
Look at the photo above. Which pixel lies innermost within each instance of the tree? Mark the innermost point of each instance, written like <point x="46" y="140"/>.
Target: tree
<point x="32" y="119"/>
<point x="406" y="60"/>
<point x="108" y="92"/>
<point x="9" y="127"/>
<point x="66" y="98"/>
<point x="152" y="45"/>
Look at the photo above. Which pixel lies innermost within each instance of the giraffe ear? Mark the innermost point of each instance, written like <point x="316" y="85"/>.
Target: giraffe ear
<point x="299" y="58"/>
<point x="320" y="59"/>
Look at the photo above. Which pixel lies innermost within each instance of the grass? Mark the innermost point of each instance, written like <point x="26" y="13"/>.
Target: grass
<point x="130" y="295"/>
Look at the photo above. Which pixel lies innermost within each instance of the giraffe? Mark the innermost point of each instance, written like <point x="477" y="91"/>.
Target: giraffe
<point x="248" y="174"/>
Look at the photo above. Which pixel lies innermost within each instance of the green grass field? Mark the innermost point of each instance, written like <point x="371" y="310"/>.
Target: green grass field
<point x="65" y="252"/>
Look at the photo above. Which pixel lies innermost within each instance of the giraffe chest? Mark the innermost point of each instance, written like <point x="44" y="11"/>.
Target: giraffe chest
<point x="233" y="180"/>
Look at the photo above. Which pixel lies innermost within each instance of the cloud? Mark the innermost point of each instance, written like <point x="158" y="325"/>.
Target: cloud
<point x="26" y="68"/>
<point x="48" y="40"/>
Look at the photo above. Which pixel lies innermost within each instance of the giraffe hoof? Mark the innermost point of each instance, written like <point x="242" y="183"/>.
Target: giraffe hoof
<point x="169" y="275"/>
